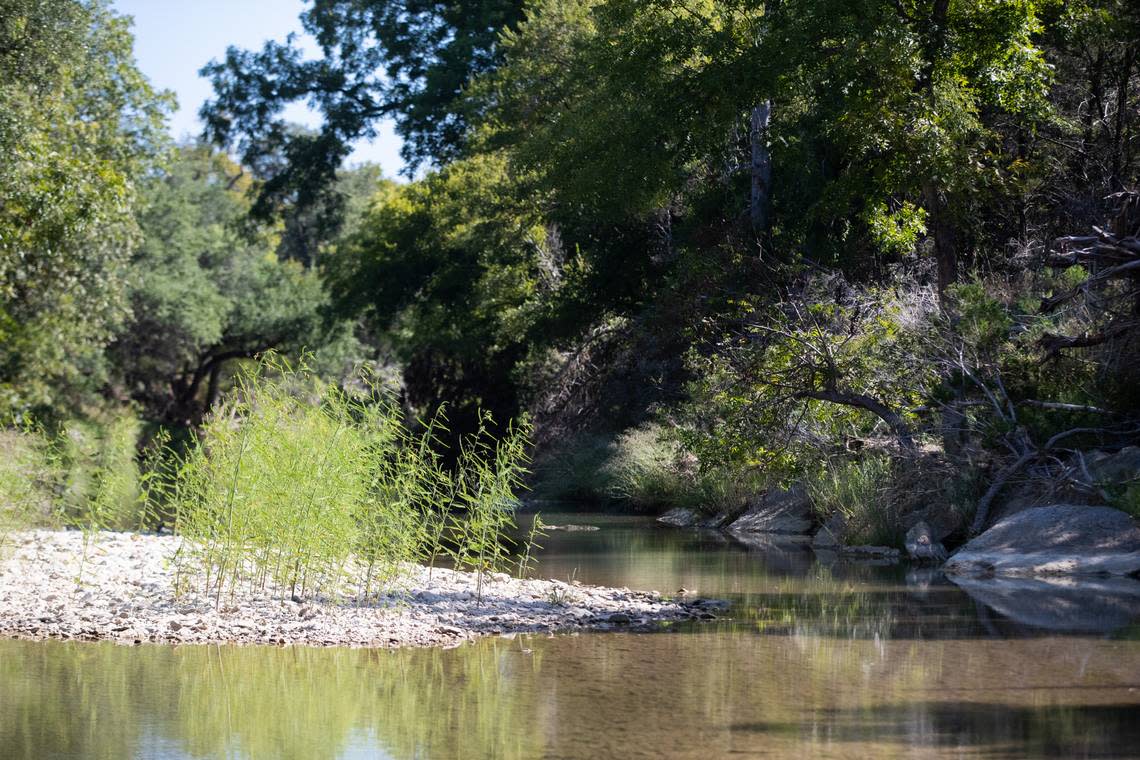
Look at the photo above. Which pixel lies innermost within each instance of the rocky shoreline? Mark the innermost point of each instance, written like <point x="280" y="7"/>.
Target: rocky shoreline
<point x="123" y="592"/>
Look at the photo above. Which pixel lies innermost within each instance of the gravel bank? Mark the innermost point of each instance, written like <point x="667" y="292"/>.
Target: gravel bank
<point x="125" y="594"/>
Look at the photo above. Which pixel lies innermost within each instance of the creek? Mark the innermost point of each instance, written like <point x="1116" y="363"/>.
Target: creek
<point x="816" y="657"/>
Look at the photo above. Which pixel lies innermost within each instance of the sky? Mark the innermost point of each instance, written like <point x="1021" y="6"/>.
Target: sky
<point x="175" y="38"/>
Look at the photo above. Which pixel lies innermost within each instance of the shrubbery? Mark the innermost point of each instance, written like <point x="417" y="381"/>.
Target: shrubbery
<point x="305" y="487"/>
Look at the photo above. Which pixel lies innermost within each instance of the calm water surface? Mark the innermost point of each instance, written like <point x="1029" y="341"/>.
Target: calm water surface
<point x="819" y="659"/>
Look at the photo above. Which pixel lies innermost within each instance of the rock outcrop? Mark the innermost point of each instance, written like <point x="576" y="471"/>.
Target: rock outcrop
<point x="679" y="518"/>
<point x="1054" y="540"/>
<point x="781" y="510"/>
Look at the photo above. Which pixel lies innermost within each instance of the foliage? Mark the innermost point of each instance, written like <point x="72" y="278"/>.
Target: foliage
<point x="449" y="268"/>
<point x="487" y="478"/>
<point x="858" y="491"/>
<point x="303" y="487"/>
<point x="644" y="468"/>
<point x="819" y="366"/>
<point x="80" y="126"/>
<point x="22" y="495"/>
<point x="206" y="290"/>
<point x="85" y="474"/>
<point x="409" y="60"/>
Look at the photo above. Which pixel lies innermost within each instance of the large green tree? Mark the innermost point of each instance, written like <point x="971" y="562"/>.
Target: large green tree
<point x="885" y="121"/>
<point x="454" y="270"/>
<point x="207" y="289"/>
<point x="408" y="60"/>
<point x="79" y="127"/>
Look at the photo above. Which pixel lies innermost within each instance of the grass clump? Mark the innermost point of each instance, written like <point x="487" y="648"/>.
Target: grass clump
<point x="23" y="495"/>
<point x="84" y="474"/>
<point x="644" y="469"/>
<point x="307" y="488"/>
<point x="858" y="490"/>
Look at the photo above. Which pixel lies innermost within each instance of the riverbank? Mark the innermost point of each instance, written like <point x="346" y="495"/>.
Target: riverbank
<point x="123" y="592"/>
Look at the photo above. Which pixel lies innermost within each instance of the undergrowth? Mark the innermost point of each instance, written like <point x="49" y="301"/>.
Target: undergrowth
<point x="857" y="490"/>
<point x="302" y="488"/>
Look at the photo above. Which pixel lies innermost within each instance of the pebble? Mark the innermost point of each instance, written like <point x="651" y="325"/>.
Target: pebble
<point x="128" y="597"/>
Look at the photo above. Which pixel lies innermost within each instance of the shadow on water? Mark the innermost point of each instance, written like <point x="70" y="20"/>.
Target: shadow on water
<point x="989" y="730"/>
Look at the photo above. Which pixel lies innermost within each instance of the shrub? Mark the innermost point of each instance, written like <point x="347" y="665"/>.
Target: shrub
<point x="858" y="491"/>
<point x="98" y="466"/>
<point x="643" y="469"/>
<point x="86" y="475"/>
<point x="22" y="475"/>
<point x="574" y="469"/>
<point x="305" y="487"/>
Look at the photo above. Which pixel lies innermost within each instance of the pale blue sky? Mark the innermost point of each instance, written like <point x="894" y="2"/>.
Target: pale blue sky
<point x="175" y="38"/>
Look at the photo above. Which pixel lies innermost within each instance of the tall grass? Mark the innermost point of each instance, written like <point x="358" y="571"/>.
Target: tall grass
<point x="304" y="488"/>
<point x="85" y="474"/>
<point x="487" y="478"/>
<point x="857" y="490"/>
<point x="22" y="474"/>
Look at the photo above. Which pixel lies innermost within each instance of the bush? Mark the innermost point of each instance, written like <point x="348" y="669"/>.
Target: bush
<point x="645" y="468"/>
<point x="22" y="494"/>
<point x="100" y="477"/>
<point x="858" y="490"/>
<point x="86" y="475"/>
<point x="308" y="488"/>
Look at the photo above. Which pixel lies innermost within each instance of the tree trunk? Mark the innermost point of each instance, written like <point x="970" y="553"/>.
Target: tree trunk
<point x="1121" y="149"/>
<point x="761" y="166"/>
<point x="942" y="231"/>
<point x="212" y="388"/>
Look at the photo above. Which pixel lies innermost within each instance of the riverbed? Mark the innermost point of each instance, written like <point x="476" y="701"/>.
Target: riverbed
<point x="822" y="657"/>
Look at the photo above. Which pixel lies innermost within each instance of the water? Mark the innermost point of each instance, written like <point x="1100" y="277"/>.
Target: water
<point x="818" y="661"/>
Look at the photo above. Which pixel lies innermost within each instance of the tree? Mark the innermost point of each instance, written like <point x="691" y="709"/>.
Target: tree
<point x="891" y="115"/>
<point x="408" y="60"/>
<point x="450" y="269"/>
<point x="79" y="127"/>
<point x="208" y="290"/>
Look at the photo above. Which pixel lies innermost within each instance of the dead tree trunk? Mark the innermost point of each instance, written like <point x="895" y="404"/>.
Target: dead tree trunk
<point x="761" y="166"/>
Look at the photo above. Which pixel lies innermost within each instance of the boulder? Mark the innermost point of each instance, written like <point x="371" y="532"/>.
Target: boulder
<point x="1116" y="468"/>
<point x="781" y="510"/>
<point x="830" y="536"/>
<point x="942" y="520"/>
<point x="1054" y="540"/>
<point x="921" y="545"/>
<point x="679" y="518"/>
<point x="714" y="521"/>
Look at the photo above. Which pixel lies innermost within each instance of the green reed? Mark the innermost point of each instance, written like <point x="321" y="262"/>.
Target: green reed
<point x="306" y="488"/>
<point x="488" y="476"/>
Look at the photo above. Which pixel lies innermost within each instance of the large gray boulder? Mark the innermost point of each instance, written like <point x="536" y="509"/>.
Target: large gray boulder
<point x="1054" y="540"/>
<point x="830" y="536"/>
<point x="1117" y="468"/>
<point x="781" y="510"/>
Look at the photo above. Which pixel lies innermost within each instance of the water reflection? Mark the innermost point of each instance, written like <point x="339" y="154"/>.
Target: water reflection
<point x="818" y="661"/>
<point x="615" y="695"/>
